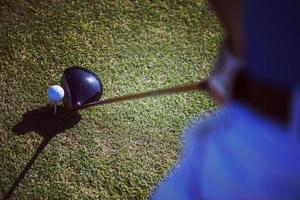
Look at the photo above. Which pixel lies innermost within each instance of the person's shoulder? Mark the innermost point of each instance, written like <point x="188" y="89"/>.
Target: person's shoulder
<point x="204" y="128"/>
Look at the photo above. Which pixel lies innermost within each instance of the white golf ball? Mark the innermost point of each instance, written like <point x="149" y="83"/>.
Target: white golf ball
<point x="55" y="93"/>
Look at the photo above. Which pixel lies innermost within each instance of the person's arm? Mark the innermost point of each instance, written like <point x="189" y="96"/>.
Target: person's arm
<point x="230" y="14"/>
<point x="230" y="58"/>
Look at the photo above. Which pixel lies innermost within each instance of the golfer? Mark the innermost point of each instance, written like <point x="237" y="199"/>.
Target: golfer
<point x="251" y="148"/>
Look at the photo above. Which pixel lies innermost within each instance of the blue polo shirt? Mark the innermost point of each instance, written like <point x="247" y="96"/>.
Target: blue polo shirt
<point x="235" y="155"/>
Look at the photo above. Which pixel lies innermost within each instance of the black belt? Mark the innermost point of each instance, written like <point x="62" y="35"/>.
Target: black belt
<point x="266" y="99"/>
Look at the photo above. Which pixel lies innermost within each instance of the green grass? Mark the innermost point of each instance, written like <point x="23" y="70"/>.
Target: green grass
<point x="119" y="151"/>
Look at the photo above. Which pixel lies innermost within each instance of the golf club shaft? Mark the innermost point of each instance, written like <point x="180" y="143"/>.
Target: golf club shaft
<point x="202" y="86"/>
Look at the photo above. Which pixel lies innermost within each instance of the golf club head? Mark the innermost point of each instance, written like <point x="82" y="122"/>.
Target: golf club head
<point x="81" y="86"/>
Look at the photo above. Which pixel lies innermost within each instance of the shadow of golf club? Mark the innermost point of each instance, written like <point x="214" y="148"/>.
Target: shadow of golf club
<point x="46" y="124"/>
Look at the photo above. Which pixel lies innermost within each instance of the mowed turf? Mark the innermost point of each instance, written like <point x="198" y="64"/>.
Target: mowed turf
<point x="119" y="151"/>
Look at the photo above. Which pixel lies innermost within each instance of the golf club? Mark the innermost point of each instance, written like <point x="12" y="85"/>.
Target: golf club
<point x="159" y="92"/>
<point x="83" y="89"/>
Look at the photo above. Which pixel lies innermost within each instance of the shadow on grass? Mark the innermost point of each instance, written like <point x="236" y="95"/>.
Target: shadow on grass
<point x="46" y="124"/>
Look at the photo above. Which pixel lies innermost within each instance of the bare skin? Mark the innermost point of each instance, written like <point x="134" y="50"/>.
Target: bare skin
<point x="230" y="14"/>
